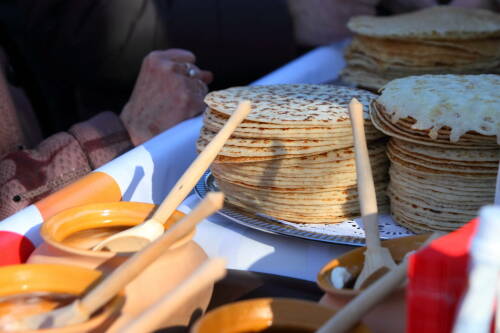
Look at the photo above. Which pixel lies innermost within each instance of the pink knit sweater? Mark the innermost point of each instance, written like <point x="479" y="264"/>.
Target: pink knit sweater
<point x="30" y="170"/>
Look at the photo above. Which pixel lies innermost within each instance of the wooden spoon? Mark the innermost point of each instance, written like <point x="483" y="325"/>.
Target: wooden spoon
<point x="378" y="259"/>
<point x="152" y="318"/>
<point x="137" y="237"/>
<point x="81" y="309"/>
<point x="349" y="315"/>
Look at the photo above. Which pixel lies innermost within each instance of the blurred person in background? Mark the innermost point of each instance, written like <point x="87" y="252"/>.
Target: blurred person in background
<point x="168" y="90"/>
<point x="88" y="53"/>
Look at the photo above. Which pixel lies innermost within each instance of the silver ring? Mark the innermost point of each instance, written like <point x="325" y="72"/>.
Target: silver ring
<point x="191" y="71"/>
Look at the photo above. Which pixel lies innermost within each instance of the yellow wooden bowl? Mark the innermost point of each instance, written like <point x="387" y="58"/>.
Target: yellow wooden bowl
<point x="29" y="280"/>
<point x="389" y="316"/>
<point x="267" y="314"/>
<point x="70" y="234"/>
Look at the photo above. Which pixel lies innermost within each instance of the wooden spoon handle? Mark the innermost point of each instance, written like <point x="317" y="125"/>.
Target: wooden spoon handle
<point x="167" y="306"/>
<point x="191" y="176"/>
<point x="366" y="187"/>
<point x="126" y="272"/>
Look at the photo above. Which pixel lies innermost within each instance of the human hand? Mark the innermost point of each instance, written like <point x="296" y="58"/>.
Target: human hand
<point x="168" y="90"/>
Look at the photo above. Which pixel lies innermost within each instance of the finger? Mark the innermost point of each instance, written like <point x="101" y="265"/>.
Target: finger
<point x="179" y="55"/>
<point x="157" y="60"/>
<point x="188" y="98"/>
<point x="175" y="67"/>
<point x="195" y="72"/>
<point x="206" y="76"/>
<point x="198" y="87"/>
<point x="202" y="87"/>
<point x="192" y="71"/>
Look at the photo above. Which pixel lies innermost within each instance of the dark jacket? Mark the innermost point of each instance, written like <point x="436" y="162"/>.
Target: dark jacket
<point x="88" y="52"/>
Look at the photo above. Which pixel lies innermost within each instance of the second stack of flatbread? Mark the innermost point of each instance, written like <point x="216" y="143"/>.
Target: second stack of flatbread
<point x="444" y="151"/>
<point x="436" y="40"/>
<point x="293" y="157"/>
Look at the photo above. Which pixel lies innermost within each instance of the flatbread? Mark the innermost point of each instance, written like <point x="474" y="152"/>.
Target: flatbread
<point x="437" y="23"/>
<point x="253" y="130"/>
<point x="304" y="104"/>
<point x="462" y="103"/>
<point x="424" y="54"/>
<point x="451" y="161"/>
<point x="292" y="158"/>
<point x="263" y="142"/>
<point x="272" y="152"/>
<point x="290" y="208"/>
<point x="403" y="130"/>
<point x="433" y="188"/>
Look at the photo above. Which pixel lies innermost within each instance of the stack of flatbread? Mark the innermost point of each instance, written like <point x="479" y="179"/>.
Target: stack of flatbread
<point x="293" y="157"/>
<point x="444" y="151"/>
<point x="437" y="40"/>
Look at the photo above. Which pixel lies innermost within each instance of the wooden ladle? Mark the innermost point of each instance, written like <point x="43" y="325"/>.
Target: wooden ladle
<point x="137" y="237"/>
<point x="81" y="309"/>
<point x="152" y="318"/>
<point x="378" y="259"/>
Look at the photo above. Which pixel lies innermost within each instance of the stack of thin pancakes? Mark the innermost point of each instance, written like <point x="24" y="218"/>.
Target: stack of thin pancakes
<point x="436" y="40"/>
<point x="444" y="151"/>
<point x="293" y="157"/>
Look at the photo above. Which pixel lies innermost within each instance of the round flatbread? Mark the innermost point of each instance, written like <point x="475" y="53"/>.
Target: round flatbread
<point x="436" y="23"/>
<point x="459" y="103"/>
<point x="299" y="104"/>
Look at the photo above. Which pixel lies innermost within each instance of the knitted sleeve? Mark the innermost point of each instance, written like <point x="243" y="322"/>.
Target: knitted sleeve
<point x="27" y="176"/>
